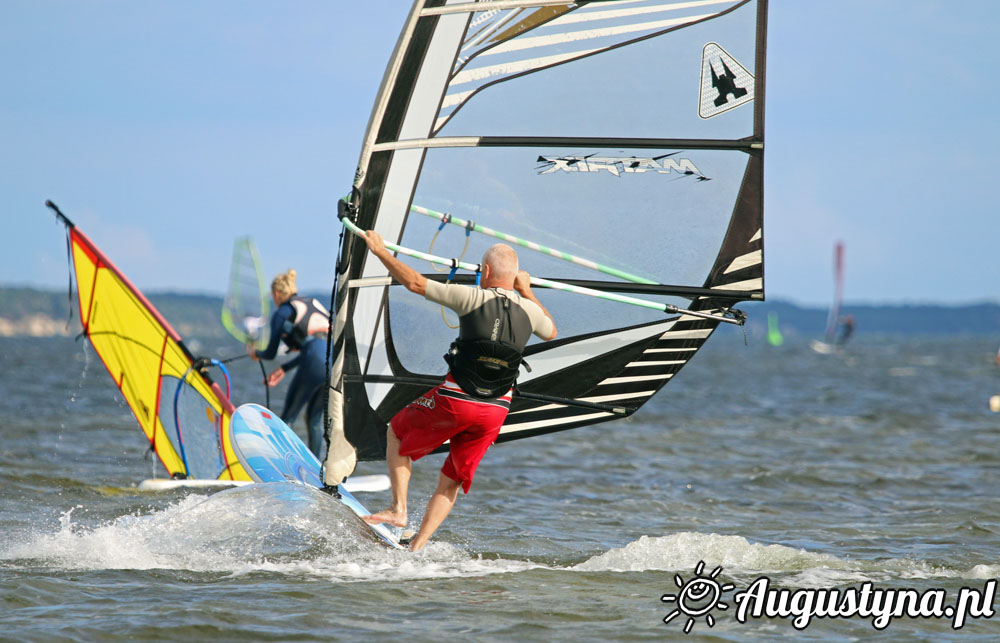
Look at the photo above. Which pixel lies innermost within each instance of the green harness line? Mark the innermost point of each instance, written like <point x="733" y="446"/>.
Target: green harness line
<point x="554" y="285"/>
<point x="531" y="245"/>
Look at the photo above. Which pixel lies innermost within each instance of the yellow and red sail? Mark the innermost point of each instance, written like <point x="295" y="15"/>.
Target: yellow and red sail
<point x="148" y="361"/>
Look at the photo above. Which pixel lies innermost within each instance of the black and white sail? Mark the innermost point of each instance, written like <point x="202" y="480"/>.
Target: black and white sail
<point x="629" y="132"/>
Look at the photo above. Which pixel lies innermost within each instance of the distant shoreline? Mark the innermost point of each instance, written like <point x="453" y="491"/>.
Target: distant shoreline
<point x="35" y="312"/>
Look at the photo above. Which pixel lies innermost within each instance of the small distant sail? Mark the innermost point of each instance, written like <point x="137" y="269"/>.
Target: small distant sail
<point x="774" y="337"/>
<point x="182" y="412"/>
<point x="833" y="319"/>
<point x="247" y="305"/>
<point x="838" y="329"/>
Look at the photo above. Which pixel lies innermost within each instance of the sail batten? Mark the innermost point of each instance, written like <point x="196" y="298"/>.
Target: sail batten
<point x="566" y="141"/>
<point x="576" y="126"/>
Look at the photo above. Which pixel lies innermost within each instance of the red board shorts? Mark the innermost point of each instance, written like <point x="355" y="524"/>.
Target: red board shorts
<point x="446" y="413"/>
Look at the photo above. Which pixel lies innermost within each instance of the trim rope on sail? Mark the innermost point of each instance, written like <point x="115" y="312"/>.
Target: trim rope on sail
<point x="445" y="220"/>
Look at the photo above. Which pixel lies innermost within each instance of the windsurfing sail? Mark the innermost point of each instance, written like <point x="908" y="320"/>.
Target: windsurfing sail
<point x="246" y="307"/>
<point x="626" y="132"/>
<point x="184" y="415"/>
<point x="774" y="336"/>
<point x="833" y="318"/>
<point x="838" y="328"/>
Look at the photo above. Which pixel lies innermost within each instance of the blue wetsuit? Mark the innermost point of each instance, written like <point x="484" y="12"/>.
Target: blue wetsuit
<point x="306" y="389"/>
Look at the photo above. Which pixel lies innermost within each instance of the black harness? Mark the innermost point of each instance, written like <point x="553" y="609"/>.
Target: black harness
<point x="487" y="354"/>
<point x="295" y="331"/>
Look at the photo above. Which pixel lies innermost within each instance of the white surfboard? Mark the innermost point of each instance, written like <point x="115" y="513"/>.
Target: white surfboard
<point x="272" y="452"/>
<point x="822" y="347"/>
<point x="169" y="484"/>
<point x="354" y="484"/>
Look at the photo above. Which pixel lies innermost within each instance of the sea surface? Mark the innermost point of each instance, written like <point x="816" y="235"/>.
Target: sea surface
<point x="878" y="467"/>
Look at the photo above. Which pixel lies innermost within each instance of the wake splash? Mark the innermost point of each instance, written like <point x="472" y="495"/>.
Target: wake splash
<point x="280" y="528"/>
<point x="741" y="558"/>
<point x="297" y="530"/>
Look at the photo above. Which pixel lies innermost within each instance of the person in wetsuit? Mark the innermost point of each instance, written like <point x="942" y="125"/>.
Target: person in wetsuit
<point x="302" y="324"/>
<point x="846" y="330"/>
<point x="496" y="320"/>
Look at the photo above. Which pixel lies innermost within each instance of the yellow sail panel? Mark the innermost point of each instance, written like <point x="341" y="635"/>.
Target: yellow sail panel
<point x="148" y="362"/>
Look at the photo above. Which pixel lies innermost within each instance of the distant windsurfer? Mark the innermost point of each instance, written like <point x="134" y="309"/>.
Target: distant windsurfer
<point x="495" y="322"/>
<point x="846" y="330"/>
<point x="302" y="324"/>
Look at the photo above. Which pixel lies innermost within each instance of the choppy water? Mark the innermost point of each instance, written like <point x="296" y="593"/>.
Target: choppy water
<point x="879" y="465"/>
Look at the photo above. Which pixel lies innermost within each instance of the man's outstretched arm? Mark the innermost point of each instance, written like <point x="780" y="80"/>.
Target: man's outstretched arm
<point x="522" y="284"/>
<point x="405" y="275"/>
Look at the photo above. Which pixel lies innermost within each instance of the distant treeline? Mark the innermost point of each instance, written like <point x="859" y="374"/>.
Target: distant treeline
<point x="189" y="314"/>
<point x="973" y="319"/>
<point x="199" y="314"/>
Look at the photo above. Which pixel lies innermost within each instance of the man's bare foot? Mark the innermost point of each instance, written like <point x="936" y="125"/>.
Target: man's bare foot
<point x="394" y="518"/>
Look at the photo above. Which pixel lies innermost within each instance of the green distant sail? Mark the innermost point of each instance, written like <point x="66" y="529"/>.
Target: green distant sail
<point x="774" y="337"/>
<point x="247" y="306"/>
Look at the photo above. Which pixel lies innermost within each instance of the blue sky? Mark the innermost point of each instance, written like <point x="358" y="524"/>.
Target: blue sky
<point x="166" y="129"/>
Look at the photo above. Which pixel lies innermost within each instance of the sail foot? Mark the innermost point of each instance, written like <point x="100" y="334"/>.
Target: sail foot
<point x="341" y="458"/>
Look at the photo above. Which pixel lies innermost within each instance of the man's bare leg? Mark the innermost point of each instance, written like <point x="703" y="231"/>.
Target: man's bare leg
<point x="399" y="477"/>
<point x="438" y="509"/>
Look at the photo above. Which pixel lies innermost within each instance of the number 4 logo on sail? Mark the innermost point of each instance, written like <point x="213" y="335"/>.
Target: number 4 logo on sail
<point x="725" y="83"/>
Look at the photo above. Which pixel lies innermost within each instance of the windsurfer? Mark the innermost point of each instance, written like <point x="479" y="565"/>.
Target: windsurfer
<point x="846" y="329"/>
<point x="302" y="324"/>
<point x="468" y="408"/>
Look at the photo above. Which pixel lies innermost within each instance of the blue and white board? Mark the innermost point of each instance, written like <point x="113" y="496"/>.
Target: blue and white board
<point x="271" y="452"/>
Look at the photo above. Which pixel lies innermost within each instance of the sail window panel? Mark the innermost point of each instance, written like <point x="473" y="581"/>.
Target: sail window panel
<point x="588" y="73"/>
<point x="418" y="332"/>
<point x="623" y="208"/>
<point x="199" y="420"/>
<point x="420" y="335"/>
<point x="654" y="220"/>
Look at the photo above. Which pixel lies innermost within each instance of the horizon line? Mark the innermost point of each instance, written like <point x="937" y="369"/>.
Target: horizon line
<point x="774" y="300"/>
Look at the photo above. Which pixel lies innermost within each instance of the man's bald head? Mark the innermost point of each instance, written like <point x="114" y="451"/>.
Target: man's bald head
<point x="502" y="260"/>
